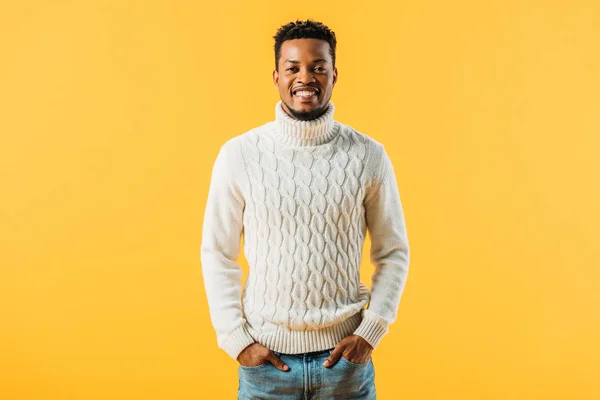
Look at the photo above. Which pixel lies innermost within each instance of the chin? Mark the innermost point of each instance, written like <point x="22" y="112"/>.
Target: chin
<point x="305" y="107"/>
<point x="299" y="105"/>
<point x="307" y="113"/>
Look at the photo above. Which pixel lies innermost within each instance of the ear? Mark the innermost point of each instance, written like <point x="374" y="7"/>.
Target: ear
<point x="335" y="75"/>
<point x="276" y="78"/>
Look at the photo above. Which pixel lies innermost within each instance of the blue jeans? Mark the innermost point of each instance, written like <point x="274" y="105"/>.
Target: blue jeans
<point x="307" y="378"/>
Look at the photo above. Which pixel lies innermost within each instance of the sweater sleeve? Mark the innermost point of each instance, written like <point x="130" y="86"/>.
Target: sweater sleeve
<point x="389" y="253"/>
<point x="221" y="232"/>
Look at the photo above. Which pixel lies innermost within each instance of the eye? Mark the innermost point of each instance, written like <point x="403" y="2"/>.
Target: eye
<point x="320" y="68"/>
<point x="290" y="68"/>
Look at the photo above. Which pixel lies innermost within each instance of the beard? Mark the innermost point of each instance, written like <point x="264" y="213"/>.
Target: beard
<point x="307" y="115"/>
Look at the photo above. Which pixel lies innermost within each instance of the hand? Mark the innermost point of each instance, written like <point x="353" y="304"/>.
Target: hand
<point x="354" y="348"/>
<point x="256" y="354"/>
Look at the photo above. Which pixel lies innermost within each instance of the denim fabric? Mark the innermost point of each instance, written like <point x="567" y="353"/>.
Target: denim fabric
<point x="307" y="378"/>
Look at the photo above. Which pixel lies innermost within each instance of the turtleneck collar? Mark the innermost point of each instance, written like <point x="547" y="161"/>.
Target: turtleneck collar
<point x="294" y="132"/>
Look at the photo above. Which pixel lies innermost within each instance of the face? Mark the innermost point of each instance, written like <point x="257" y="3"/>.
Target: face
<point x="306" y="77"/>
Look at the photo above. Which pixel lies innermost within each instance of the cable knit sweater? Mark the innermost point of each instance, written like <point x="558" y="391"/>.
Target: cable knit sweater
<point x="303" y="194"/>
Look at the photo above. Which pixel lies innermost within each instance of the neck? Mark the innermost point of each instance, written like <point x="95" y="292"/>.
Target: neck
<point x="295" y="132"/>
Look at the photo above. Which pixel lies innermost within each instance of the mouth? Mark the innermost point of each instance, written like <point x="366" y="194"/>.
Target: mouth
<point x="306" y="93"/>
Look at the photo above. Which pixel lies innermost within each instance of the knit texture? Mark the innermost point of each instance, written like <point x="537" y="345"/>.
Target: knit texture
<point x="303" y="195"/>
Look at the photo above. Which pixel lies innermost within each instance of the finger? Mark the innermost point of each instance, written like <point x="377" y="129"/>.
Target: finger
<point x="276" y="361"/>
<point x="334" y="356"/>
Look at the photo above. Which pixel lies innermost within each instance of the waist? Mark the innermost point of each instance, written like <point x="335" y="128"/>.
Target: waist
<point x="284" y="340"/>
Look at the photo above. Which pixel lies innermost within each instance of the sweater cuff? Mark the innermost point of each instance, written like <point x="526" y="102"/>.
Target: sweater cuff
<point x="372" y="328"/>
<point x="237" y="341"/>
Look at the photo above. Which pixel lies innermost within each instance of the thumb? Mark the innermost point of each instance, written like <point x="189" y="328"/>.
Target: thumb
<point x="334" y="356"/>
<point x="276" y="361"/>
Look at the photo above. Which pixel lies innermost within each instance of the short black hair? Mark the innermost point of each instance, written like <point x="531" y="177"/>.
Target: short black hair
<point x="308" y="29"/>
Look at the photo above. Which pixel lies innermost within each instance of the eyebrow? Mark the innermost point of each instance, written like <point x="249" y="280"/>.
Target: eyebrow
<point x="297" y="62"/>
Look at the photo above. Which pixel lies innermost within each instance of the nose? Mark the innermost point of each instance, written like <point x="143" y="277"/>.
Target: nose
<point x="306" y="76"/>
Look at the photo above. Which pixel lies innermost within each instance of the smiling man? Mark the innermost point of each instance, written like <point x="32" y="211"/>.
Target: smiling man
<point x="304" y="190"/>
<point x="307" y="77"/>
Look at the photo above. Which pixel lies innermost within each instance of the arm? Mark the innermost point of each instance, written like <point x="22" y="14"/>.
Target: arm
<point x="221" y="232"/>
<point x="389" y="253"/>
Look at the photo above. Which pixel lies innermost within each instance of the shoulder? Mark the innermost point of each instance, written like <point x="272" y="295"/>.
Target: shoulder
<point x="373" y="149"/>
<point x="248" y="141"/>
<point x="229" y="155"/>
<point x="233" y="147"/>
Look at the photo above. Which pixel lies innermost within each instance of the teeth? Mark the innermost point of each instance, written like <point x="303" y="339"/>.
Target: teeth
<point x="305" y="93"/>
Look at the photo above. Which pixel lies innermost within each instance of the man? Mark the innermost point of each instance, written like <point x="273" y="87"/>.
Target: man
<point x="303" y="190"/>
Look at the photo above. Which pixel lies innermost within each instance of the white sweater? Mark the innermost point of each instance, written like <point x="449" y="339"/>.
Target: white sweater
<point x="303" y="194"/>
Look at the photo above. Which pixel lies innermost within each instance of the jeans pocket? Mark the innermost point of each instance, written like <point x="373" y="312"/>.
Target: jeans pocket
<point x="253" y="367"/>
<point x="353" y="364"/>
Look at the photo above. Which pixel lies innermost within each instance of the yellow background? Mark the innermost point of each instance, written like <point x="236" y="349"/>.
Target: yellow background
<point x="111" y="115"/>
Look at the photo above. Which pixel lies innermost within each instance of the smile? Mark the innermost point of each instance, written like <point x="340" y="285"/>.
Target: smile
<point x="306" y="93"/>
